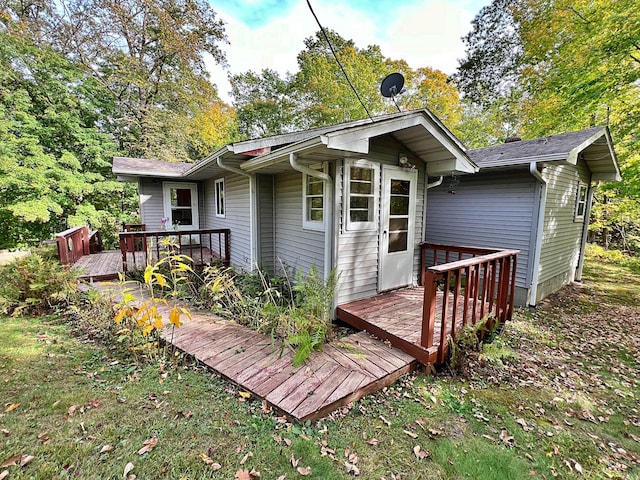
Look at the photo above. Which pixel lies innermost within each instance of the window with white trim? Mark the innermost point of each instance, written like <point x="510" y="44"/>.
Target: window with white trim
<point x="313" y="200"/>
<point x="220" y="201"/>
<point x="581" y="202"/>
<point x="361" y="186"/>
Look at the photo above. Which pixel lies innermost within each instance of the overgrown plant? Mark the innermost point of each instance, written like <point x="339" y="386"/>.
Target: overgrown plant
<point x="142" y="315"/>
<point x="471" y="340"/>
<point x="36" y="284"/>
<point x="300" y="314"/>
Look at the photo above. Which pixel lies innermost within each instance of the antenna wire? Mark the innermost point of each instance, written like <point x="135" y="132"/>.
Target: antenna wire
<point x="326" y="37"/>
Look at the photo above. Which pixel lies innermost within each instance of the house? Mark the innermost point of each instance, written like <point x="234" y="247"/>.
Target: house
<point x="534" y="196"/>
<point x="350" y="196"/>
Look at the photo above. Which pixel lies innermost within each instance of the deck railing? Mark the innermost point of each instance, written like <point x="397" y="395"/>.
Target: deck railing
<point x="72" y="244"/>
<point x="479" y="283"/>
<point x="203" y="246"/>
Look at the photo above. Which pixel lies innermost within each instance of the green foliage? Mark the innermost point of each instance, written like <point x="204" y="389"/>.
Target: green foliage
<point x="471" y="340"/>
<point x="616" y="257"/>
<point x="537" y="68"/>
<point x="318" y="94"/>
<point x="36" y="285"/>
<point x="300" y="315"/>
<point x="140" y="314"/>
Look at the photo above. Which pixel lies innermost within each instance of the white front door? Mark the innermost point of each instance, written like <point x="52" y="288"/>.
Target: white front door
<point x="181" y="207"/>
<point x="397" y="227"/>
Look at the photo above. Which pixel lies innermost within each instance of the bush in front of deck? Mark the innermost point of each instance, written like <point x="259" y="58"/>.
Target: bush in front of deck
<point x="36" y="285"/>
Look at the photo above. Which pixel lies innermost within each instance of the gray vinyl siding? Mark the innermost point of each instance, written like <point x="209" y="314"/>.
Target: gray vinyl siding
<point x="266" y="228"/>
<point x="296" y="247"/>
<point x="151" y="204"/>
<point x="487" y="210"/>
<point x="358" y="251"/>
<point x="237" y="215"/>
<point x="561" y="235"/>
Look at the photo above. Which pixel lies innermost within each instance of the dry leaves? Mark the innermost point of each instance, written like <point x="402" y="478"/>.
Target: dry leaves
<point x="149" y="444"/>
<point x="127" y="468"/>
<point x="209" y="461"/>
<point x="304" y="471"/>
<point x="21" y="460"/>
<point x="11" y="407"/>
<point x="105" y="449"/>
<point x="419" y="453"/>
<point x="246" y="457"/>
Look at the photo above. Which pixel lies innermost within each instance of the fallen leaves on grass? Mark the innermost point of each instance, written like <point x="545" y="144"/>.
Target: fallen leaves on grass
<point x="209" y="461"/>
<point x="246" y="457"/>
<point x="11" y="407"/>
<point x="149" y="444"/>
<point x="21" y="460"/>
<point x="419" y="453"/>
<point x="127" y="469"/>
<point x="304" y="471"/>
<point x="106" y="449"/>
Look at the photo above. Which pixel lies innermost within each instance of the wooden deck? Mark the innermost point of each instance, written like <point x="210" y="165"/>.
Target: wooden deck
<point x="345" y="370"/>
<point x="106" y="265"/>
<point x="397" y="317"/>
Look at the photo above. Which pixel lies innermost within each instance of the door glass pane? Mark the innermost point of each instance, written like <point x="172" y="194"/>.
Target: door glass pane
<point x="181" y="216"/>
<point x="399" y="205"/>
<point x="400" y="187"/>
<point x="397" y="242"/>
<point x="396" y="224"/>
<point x="180" y="197"/>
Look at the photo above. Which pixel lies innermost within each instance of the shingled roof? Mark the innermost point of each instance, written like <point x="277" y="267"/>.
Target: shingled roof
<point x="554" y="147"/>
<point x="145" y="167"/>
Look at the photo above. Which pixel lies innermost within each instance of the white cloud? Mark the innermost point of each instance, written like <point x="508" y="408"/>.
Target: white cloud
<point x="424" y="35"/>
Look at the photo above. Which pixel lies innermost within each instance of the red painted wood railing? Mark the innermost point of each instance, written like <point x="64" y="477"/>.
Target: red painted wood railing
<point x="479" y="283"/>
<point x="203" y="246"/>
<point x="72" y="244"/>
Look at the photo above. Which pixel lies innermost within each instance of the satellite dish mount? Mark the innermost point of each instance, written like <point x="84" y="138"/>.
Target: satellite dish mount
<point x="392" y="86"/>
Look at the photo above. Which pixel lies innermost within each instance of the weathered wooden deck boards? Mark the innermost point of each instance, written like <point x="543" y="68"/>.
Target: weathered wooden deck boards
<point x="342" y="372"/>
<point x="397" y="317"/>
<point x="106" y="265"/>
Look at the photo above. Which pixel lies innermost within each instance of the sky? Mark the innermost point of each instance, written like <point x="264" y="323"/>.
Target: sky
<point x="270" y="33"/>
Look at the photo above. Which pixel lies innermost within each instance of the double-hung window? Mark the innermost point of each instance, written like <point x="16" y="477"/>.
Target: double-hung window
<point x="361" y="186"/>
<point x="220" y="201"/>
<point x="581" y="202"/>
<point x="314" y="200"/>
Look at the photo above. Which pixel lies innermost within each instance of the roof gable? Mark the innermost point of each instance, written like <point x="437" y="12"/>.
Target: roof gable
<point x="593" y="145"/>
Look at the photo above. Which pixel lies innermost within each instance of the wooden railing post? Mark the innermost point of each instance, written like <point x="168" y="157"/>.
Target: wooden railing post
<point x="429" y="309"/>
<point x="123" y="251"/>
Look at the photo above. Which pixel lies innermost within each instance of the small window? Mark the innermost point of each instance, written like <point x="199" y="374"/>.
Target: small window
<point x="313" y="193"/>
<point x="220" y="202"/>
<point x="361" y="194"/>
<point x="581" y="202"/>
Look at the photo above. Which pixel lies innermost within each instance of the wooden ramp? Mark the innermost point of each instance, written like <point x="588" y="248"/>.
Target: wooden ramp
<point x="345" y="370"/>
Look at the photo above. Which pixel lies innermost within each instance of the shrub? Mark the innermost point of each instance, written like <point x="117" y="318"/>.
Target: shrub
<point x="36" y="285"/>
<point x="140" y="316"/>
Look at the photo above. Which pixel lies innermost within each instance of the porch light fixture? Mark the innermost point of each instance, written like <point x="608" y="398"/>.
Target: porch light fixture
<point x="403" y="161"/>
<point x="453" y="183"/>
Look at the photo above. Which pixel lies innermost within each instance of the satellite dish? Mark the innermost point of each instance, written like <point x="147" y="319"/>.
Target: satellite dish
<point x="392" y="85"/>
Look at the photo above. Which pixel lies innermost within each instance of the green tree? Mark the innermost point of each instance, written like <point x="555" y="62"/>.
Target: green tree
<point x="266" y="103"/>
<point x="149" y="56"/>
<point x="54" y="164"/>
<point x="565" y="65"/>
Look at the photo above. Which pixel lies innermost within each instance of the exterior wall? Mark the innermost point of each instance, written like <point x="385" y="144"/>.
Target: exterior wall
<point x="488" y="210"/>
<point x="296" y="247"/>
<point x="266" y="227"/>
<point x="358" y="251"/>
<point x="562" y="235"/>
<point x="151" y="204"/>
<point x="237" y="215"/>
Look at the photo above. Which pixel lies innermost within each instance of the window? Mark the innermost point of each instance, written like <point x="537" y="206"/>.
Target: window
<point x="581" y="202"/>
<point x="361" y="194"/>
<point x="220" y="203"/>
<point x="313" y="200"/>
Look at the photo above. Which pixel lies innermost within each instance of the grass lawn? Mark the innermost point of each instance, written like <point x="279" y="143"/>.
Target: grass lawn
<point x="564" y="403"/>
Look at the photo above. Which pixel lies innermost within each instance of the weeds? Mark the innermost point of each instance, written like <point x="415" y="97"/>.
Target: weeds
<point x="301" y="314"/>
